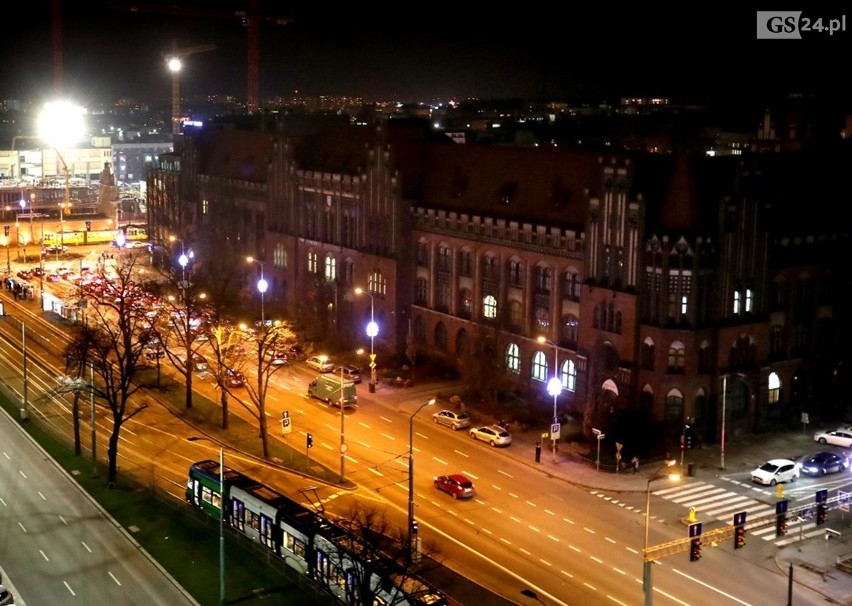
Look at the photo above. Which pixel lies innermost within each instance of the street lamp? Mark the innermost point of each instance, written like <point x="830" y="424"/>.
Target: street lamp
<point x="60" y="126"/>
<point x="23" y="204"/>
<point x="647" y="583"/>
<point x="411" y="478"/>
<point x="262" y="286"/>
<point x="343" y="446"/>
<point x="372" y="332"/>
<point x="221" y="518"/>
<point x="554" y="387"/>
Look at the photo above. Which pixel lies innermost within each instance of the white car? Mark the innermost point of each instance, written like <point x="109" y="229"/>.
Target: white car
<point x="775" y="471"/>
<point x="320" y="363"/>
<point x="456" y="420"/>
<point x="839" y="437"/>
<point x="493" y="434"/>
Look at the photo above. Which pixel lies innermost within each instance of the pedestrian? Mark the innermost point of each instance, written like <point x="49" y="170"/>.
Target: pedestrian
<point x="635" y="463"/>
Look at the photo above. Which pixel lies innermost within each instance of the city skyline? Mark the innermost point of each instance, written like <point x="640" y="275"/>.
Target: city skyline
<point x="109" y="51"/>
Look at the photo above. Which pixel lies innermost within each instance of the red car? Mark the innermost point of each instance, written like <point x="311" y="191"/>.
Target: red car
<point x="456" y="485"/>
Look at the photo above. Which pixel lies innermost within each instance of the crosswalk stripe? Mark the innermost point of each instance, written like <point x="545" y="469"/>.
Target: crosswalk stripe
<point x="691" y="497"/>
<point x="689" y="488"/>
<point x="712" y="499"/>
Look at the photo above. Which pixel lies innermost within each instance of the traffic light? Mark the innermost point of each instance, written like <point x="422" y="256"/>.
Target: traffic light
<point x="88" y="226"/>
<point x="414" y="527"/>
<point x="310" y="441"/>
<point x="780" y="526"/>
<point x="739" y="537"/>
<point x="5" y="230"/>
<point x="821" y="513"/>
<point x="695" y="549"/>
<point x="688" y="437"/>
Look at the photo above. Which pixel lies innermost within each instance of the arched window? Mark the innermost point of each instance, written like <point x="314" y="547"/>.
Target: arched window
<point x="674" y="406"/>
<point x="704" y="357"/>
<point x="773" y="386"/>
<point x="419" y="330"/>
<point x="568" y="375"/>
<point x="542" y="318"/>
<point x="648" y="354"/>
<point x="465" y="303"/>
<point x="312" y="262"/>
<point x="676" y="358"/>
<point x="513" y="359"/>
<point x="570" y="331"/>
<point x="441" y="336"/>
<point x="330" y="269"/>
<point x="421" y="296"/>
<point x="539" y="367"/>
<point x="462" y="343"/>
<point x="489" y="307"/>
<point x="515" y="317"/>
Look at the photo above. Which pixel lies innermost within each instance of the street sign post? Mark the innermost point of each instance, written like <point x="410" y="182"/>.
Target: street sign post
<point x="286" y="426"/>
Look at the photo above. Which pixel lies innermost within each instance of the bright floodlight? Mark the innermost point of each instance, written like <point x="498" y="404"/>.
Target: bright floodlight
<point x="61" y="124"/>
<point x="174" y="64"/>
<point x="554" y="386"/>
<point x="262" y="285"/>
<point x="372" y="329"/>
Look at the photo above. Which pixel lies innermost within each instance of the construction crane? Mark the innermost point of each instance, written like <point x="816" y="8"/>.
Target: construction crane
<point x="174" y="60"/>
<point x="250" y="19"/>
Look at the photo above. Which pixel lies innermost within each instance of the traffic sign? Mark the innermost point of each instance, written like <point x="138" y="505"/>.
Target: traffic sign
<point x="695" y="530"/>
<point x="843" y="500"/>
<point x="372" y="357"/>
<point x="554" y="431"/>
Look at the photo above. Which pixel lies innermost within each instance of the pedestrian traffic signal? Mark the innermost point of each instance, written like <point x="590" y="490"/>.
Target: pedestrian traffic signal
<point x="780" y="526"/>
<point x="821" y="513"/>
<point x="88" y="226"/>
<point x="310" y="441"/>
<point x="739" y="537"/>
<point x="688" y="437"/>
<point x="695" y="549"/>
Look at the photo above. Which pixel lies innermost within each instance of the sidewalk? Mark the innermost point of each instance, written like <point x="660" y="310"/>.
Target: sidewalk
<point x="814" y="560"/>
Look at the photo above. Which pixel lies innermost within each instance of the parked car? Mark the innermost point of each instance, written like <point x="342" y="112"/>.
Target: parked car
<point x="349" y="372"/>
<point x="235" y="378"/>
<point x="198" y="363"/>
<point x="55" y="249"/>
<point x="493" y="434"/>
<point x="456" y="485"/>
<point x="451" y="418"/>
<point x="774" y="471"/>
<point x="824" y="462"/>
<point x="320" y="363"/>
<point x="838" y="437"/>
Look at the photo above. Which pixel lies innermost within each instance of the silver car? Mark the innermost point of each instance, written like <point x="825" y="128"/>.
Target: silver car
<point x="451" y="418"/>
<point x="493" y="434"/>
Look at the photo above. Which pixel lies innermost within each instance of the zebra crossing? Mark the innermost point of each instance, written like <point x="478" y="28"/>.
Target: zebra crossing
<point x="714" y="502"/>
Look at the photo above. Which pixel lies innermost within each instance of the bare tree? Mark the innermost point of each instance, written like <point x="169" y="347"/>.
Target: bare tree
<point x="239" y="348"/>
<point x="111" y="342"/>
<point x="376" y="551"/>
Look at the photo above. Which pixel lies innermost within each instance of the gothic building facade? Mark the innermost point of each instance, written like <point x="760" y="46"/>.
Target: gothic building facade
<point x="663" y="287"/>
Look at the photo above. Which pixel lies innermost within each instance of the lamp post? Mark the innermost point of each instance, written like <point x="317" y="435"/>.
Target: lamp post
<point x="411" y="478"/>
<point x="343" y="446"/>
<point x="60" y="126"/>
<point x="262" y="286"/>
<point x="24" y="403"/>
<point x="554" y="387"/>
<point x="221" y="518"/>
<point x="372" y="332"/>
<point x="647" y="583"/>
<point x="23" y="204"/>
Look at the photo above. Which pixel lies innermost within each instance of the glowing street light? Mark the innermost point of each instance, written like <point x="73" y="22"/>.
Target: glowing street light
<point x="262" y="287"/>
<point x="554" y="386"/>
<point x="372" y="332"/>
<point x="60" y="126"/>
<point x="647" y="583"/>
<point x="411" y="522"/>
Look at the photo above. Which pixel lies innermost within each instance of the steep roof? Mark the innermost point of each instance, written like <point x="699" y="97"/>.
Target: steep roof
<point x="235" y="154"/>
<point x="539" y="185"/>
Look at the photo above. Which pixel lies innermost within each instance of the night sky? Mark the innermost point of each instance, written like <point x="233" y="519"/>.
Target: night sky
<point x="421" y="51"/>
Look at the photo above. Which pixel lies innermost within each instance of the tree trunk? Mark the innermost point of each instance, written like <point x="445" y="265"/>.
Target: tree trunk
<point x="189" y="363"/>
<point x="75" y="415"/>
<point x="112" y="456"/>
<point x="224" y="399"/>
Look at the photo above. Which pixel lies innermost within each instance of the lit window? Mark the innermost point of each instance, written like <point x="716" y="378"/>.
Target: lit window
<point x="312" y="262"/>
<point x="513" y="360"/>
<point x="489" y="307"/>
<point x="736" y="302"/>
<point x="748" y="300"/>
<point x="330" y="269"/>
<point x="539" y="367"/>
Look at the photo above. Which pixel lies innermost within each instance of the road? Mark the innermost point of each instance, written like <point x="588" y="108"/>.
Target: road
<point x="58" y="546"/>
<point x="524" y="529"/>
